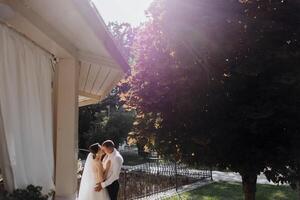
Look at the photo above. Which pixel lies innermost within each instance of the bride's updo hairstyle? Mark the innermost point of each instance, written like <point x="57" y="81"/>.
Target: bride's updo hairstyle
<point x="94" y="148"/>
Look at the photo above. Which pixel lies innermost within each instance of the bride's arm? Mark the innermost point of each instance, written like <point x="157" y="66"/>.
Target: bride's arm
<point x="101" y="172"/>
<point x="97" y="173"/>
<point x="108" y="165"/>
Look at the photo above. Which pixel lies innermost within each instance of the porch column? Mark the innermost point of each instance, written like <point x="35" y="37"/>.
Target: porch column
<point x="66" y="112"/>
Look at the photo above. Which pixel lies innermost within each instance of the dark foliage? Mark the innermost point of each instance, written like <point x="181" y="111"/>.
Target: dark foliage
<point x="218" y="82"/>
<point x="30" y="193"/>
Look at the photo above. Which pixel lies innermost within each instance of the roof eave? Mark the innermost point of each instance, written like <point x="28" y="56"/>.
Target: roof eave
<point x="90" y="13"/>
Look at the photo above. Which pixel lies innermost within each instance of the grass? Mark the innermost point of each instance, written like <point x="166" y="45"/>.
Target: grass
<point x="233" y="191"/>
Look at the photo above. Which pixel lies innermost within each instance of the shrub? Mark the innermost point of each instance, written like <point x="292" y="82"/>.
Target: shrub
<point x="30" y="193"/>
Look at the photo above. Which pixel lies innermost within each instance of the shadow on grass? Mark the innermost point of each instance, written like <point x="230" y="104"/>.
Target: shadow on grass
<point x="233" y="191"/>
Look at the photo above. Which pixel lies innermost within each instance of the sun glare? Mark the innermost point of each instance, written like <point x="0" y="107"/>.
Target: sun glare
<point x="131" y="11"/>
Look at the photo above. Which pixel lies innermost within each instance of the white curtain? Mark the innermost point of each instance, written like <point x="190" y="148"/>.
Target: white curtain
<point x="6" y="171"/>
<point x="26" y="109"/>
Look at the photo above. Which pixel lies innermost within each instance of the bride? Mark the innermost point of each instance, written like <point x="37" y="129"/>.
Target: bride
<point x="94" y="172"/>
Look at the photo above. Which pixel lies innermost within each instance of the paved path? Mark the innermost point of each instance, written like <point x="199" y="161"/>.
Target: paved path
<point x="235" y="177"/>
<point x="217" y="175"/>
<point x="173" y="192"/>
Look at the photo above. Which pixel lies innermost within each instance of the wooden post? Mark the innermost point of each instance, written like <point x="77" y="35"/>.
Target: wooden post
<point x="66" y="122"/>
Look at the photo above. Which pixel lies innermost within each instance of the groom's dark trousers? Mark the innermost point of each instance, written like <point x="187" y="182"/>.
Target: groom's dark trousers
<point x="113" y="190"/>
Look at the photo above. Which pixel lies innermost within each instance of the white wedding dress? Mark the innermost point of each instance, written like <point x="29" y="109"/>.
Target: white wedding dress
<point x="88" y="182"/>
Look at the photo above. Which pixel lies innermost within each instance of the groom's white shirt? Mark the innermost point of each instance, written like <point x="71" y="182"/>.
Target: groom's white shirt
<point x="115" y="168"/>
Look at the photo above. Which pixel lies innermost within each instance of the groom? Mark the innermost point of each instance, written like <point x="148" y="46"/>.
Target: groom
<point x="112" y="181"/>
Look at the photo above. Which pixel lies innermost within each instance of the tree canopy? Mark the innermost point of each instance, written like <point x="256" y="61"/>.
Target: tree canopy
<point x="103" y="121"/>
<point x="217" y="82"/>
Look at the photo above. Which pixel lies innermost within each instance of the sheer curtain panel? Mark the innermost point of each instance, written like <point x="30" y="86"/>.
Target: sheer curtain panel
<point x="26" y="110"/>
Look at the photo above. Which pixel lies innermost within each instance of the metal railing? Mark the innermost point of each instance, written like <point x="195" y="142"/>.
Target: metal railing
<point x="157" y="176"/>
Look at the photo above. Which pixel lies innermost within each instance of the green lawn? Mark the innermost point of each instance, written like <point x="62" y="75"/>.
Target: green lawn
<point x="233" y="191"/>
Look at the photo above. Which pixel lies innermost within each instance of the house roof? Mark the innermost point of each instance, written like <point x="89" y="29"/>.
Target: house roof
<point x="72" y="28"/>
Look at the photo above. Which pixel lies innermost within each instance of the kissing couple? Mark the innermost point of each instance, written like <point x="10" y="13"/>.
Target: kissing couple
<point x="100" y="178"/>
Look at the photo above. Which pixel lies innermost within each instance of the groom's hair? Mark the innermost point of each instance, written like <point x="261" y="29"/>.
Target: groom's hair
<point x="108" y="144"/>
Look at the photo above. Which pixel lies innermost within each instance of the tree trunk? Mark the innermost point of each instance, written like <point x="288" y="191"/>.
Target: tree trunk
<point x="249" y="186"/>
<point x="298" y="189"/>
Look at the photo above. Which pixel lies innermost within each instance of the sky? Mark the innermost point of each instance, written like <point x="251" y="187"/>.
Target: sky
<point x="131" y="11"/>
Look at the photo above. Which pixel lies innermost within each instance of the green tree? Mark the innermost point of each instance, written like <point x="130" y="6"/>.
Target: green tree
<point x="114" y="126"/>
<point x="108" y="119"/>
<point x="124" y="36"/>
<point x="105" y="120"/>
